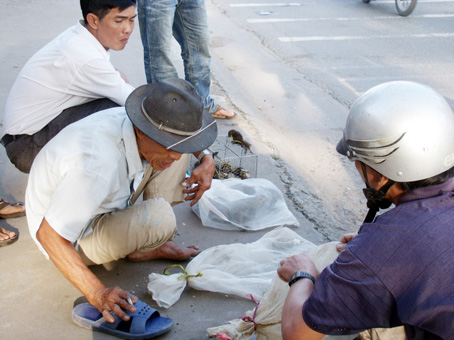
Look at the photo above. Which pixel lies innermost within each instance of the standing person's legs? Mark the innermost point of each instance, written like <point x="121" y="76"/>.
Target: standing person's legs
<point x="24" y="149"/>
<point x="191" y="30"/>
<point x="155" y="22"/>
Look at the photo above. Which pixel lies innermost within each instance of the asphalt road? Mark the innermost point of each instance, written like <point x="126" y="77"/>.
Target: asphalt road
<point x="300" y="65"/>
<point x="346" y="47"/>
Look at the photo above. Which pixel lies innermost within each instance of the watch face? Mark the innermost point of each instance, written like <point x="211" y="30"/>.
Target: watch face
<point x="294" y="276"/>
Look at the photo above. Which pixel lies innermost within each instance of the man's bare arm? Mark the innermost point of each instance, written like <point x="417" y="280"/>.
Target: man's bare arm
<point x="69" y="262"/>
<point x="293" y="325"/>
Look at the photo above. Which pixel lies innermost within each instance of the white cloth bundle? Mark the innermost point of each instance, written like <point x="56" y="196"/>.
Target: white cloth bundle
<point x="265" y="319"/>
<point x="250" y="204"/>
<point x="239" y="269"/>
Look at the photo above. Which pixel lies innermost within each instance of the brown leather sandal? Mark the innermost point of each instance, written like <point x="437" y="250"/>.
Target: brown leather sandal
<point x="5" y="204"/>
<point x="221" y="113"/>
<point x="9" y="240"/>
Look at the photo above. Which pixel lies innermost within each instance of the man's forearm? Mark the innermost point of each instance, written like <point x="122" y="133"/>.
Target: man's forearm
<point x="68" y="261"/>
<point x="293" y="325"/>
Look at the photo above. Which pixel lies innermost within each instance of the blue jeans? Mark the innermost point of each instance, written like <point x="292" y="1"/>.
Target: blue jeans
<point x="187" y="21"/>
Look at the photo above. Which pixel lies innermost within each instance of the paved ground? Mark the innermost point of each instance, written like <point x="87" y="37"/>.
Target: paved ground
<point x="36" y="300"/>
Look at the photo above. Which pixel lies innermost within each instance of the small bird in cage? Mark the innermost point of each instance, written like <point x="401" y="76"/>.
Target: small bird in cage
<point x="224" y="170"/>
<point x="241" y="173"/>
<point x="237" y="138"/>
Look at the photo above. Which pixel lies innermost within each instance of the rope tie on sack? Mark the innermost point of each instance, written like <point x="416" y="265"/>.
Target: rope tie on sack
<point x="254" y="314"/>
<point x="184" y="276"/>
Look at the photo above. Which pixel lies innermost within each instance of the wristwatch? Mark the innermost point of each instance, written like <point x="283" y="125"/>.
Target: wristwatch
<point x="203" y="153"/>
<point x="300" y="275"/>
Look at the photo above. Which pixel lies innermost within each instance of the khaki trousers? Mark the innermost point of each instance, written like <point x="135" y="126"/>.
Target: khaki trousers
<point x="143" y="227"/>
<point x="396" y="333"/>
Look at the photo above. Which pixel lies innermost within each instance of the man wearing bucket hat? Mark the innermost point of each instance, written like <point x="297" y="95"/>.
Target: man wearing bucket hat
<point x="83" y="186"/>
<point x="398" y="270"/>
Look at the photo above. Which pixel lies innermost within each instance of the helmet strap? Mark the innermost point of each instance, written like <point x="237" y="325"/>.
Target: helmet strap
<point x="375" y="198"/>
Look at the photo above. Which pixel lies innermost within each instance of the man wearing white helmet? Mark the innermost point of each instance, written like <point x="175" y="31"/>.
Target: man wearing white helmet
<point x="398" y="270"/>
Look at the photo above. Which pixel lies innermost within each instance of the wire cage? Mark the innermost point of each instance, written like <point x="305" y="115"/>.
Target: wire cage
<point x="232" y="160"/>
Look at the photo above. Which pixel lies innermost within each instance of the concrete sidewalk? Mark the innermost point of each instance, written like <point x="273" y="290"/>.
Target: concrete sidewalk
<point x="36" y="300"/>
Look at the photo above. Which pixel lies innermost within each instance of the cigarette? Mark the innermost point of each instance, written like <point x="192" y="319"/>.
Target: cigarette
<point x="129" y="300"/>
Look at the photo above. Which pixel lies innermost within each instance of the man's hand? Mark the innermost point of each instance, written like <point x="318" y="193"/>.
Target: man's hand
<point x="113" y="299"/>
<point x="294" y="263"/>
<point x="344" y="240"/>
<point x="202" y="177"/>
<point x="293" y="326"/>
<point x="71" y="265"/>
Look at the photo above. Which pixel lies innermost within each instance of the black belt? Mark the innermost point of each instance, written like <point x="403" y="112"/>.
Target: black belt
<point x="9" y="138"/>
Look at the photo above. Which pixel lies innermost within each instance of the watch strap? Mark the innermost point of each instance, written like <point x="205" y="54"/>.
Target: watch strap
<point x="202" y="154"/>
<point x="300" y="275"/>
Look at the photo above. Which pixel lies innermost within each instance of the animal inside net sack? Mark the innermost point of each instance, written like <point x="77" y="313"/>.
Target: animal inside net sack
<point x="250" y="204"/>
<point x="265" y="319"/>
<point x="240" y="269"/>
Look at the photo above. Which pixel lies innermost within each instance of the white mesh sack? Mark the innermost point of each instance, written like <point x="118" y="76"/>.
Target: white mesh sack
<point x="240" y="269"/>
<point x="265" y="319"/>
<point x="250" y="204"/>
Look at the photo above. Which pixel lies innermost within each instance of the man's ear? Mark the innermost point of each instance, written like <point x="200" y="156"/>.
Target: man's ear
<point x="140" y="136"/>
<point x="383" y="180"/>
<point x="139" y="133"/>
<point x="93" y="20"/>
<point x="375" y="179"/>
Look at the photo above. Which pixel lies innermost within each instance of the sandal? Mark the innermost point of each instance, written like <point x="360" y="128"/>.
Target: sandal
<point x="5" y="206"/>
<point x="222" y="113"/>
<point x="9" y="240"/>
<point x="145" y="323"/>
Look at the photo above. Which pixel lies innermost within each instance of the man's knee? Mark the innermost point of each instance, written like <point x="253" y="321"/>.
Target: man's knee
<point x="158" y="221"/>
<point x="143" y="227"/>
<point x="22" y="152"/>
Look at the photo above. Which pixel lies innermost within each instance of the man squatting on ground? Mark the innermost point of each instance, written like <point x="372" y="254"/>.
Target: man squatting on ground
<point x="399" y="269"/>
<point x="68" y="79"/>
<point x="78" y="197"/>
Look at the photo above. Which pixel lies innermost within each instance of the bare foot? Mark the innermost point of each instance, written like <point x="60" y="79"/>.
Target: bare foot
<point x="168" y="250"/>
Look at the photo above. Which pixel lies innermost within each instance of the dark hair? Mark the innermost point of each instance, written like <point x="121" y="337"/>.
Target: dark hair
<point x="101" y="7"/>
<point x="438" y="179"/>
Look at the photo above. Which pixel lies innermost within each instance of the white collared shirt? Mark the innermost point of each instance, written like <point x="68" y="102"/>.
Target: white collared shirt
<point x="72" y="69"/>
<point x="86" y="170"/>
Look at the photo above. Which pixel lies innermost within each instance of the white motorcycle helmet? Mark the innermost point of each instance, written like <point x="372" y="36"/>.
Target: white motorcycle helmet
<point x="401" y="129"/>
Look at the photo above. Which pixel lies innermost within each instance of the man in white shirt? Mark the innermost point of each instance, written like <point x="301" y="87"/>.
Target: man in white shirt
<point x="68" y="79"/>
<point x="81" y="190"/>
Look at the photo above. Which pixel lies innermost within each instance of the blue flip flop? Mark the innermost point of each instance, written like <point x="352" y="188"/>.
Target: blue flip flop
<point x="145" y="323"/>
